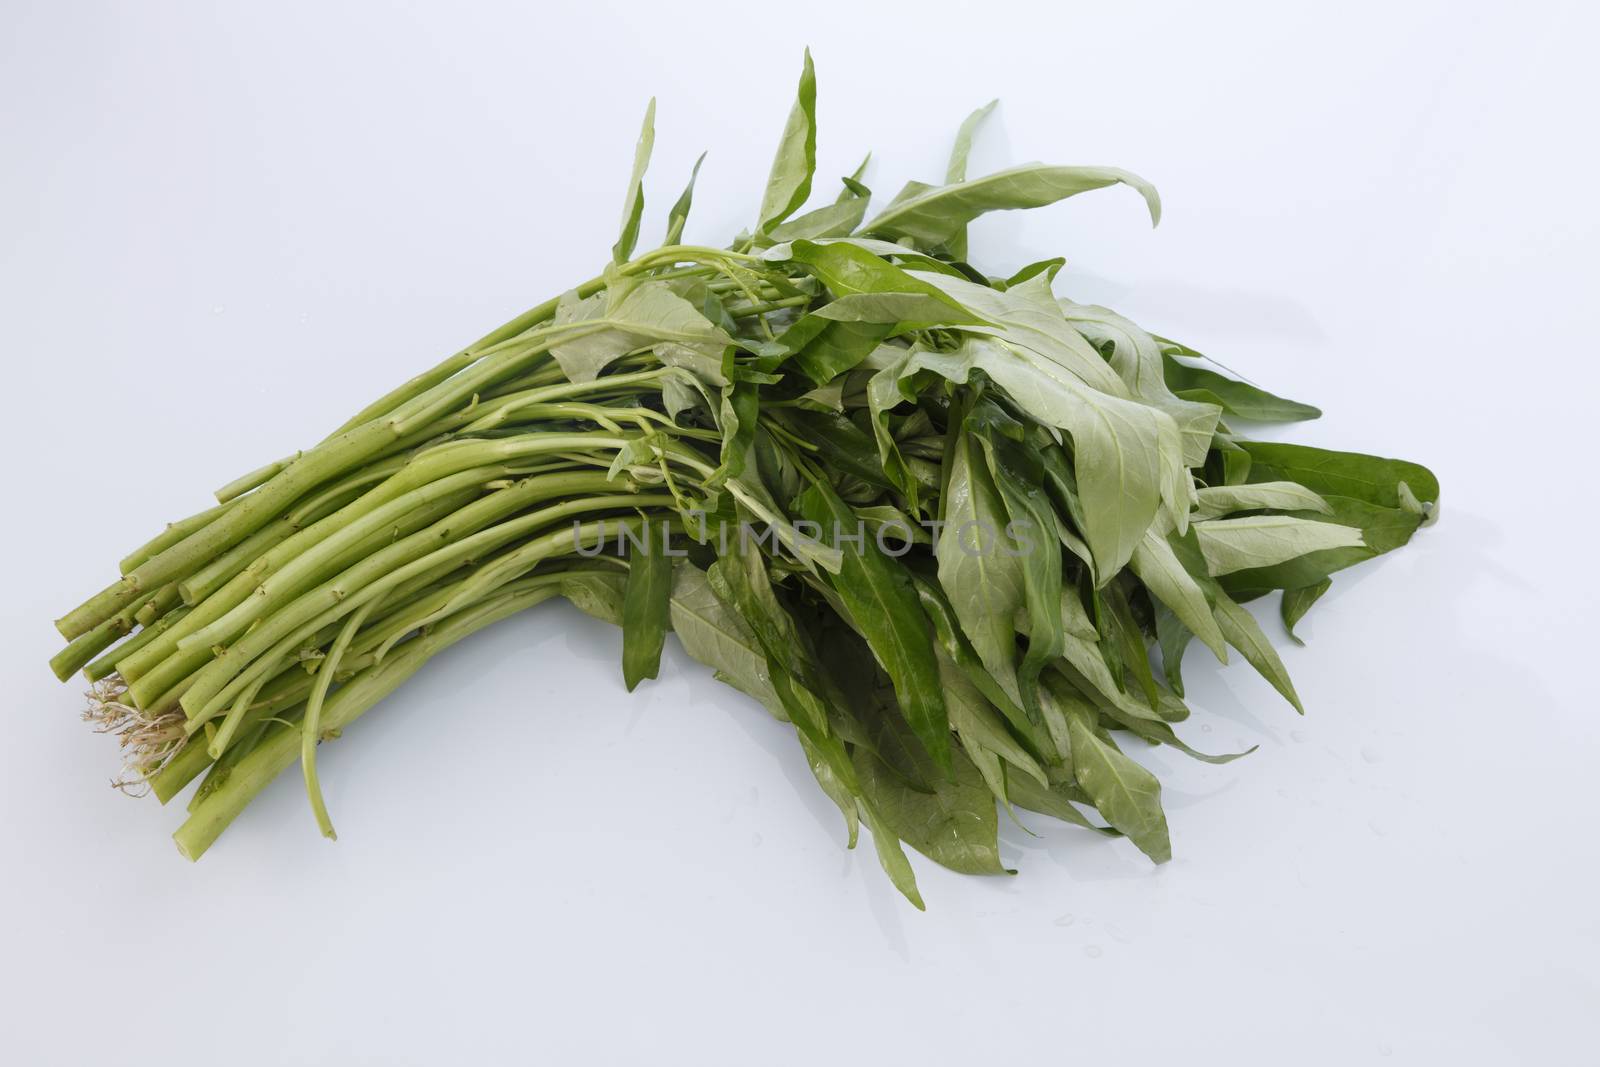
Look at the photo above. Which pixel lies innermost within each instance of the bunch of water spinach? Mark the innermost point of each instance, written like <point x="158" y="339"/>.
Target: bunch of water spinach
<point x="955" y="529"/>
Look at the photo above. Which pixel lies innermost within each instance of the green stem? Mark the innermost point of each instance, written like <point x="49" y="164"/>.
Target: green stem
<point x="278" y="749"/>
<point x="280" y="633"/>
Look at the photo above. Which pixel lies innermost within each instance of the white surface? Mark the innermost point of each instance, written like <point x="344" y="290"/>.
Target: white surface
<point x="223" y="230"/>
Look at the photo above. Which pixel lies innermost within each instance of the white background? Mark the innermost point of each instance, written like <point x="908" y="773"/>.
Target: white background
<point x="222" y="231"/>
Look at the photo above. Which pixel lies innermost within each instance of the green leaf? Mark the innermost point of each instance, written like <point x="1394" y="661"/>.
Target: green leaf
<point x="984" y="584"/>
<point x="789" y="182"/>
<point x="838" y="219"/>
<point x="932" y="217"/>
<point x="884" y="608"/>
<point x="955" y="825"/>
<point x="957" y="169"/>
<point x="1218" y="500"/>
<point x="597" y="595"/>
<point x="1382" y="530"/>
<point x="982" y="731"/>
<point x="1136" y="357"/>
<point x="1046" y="267"/>
<point x="1173" y="637"/>
<point x="1237" y="398"/>
<point x="1255" y="541"/>
<point x="1158" y="568"/>
<point x="841" y="794"/>
<point x="958" y="650"/>
<point x="825" y="348"/>
<point x="1244" y="634"/>
<point x="1124" y="792"/>
<point x="1239" y="627"/>
<point x="680" y="210"/>
<point x="1124" y="633"/>
<point x="852" y="189"/>
<point x="1296" y="602"/>
<point x="1027" y="316"/>
<point x="646" y="606"/>
<point x="1030" y="535"/>
<point x="715" y="634"/>
<point x="1127" y="456"/>
<point x="891" y="857"/>
<point x="855" y="276"/>
<point x="608" y="326"/>
<point x="1373" y="479"/>
<point x="633" y="204"/>
<point x="1052" y="801"/>
<point x="1161" y="733"/>
<point x="1084" y="658"/>
<point x="840" y="442"/>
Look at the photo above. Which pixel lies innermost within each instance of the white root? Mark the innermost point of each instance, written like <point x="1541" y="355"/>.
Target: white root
<point x="148" y="744"/>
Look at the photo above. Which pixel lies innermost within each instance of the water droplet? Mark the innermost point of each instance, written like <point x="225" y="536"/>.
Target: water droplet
<point x="1092" y="951"/>
<point x="216" y="309"/>
<point x="1116" y="934"/>
<point x="1298" y="736"/>
<point x="1377" y="828"/>
<point x="1205" y="728"/>
<point x="1370" y="754"/>
<point x="1064" y="920"/>
<point x="755" y="840"/>
<point x="1385" y="1050"/>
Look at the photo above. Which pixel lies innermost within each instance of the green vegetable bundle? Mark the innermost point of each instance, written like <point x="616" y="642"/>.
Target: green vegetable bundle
<point x="957" y="531"/>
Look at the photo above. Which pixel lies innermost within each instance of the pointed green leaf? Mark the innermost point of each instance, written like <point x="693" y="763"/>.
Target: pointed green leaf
<point x="1127" y="456"/>
<point x="789" y="183"/>
<point x="633" y="204"/>
<point x="680" y="210"/>
<point x="1244" y="634"/>
<point x="1296" y="602"/>
<point x="1237" y="398"/>
<point x="716" y="635"/>
<point x="884" y="608"/>
<point x="1218" y="500"/>
<point x="608" y="326"/>
<point x="891" y="857"/>
<point x="983" y="583"/>
<point x="1158" y="568"/>
<point x="955" y="825"/>
<point x="1353" y="474"/>
<point x="646" y="606"/>
<point x="1254" y="541"/>
<point x="1124" y="792"/>
<point x="931" y="217"/>
<point x="957" y="169"/>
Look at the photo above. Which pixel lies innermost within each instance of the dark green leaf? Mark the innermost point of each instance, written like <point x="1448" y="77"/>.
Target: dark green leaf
<point x="1373" y="479"/>
<point x="645" y="606"/>
<point x="1237" y="398"/>
<point x="954" y="826"/>
<point x="884" y="608"/>
<point x="825" y="348"/>
<point x="840" y="442"/>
